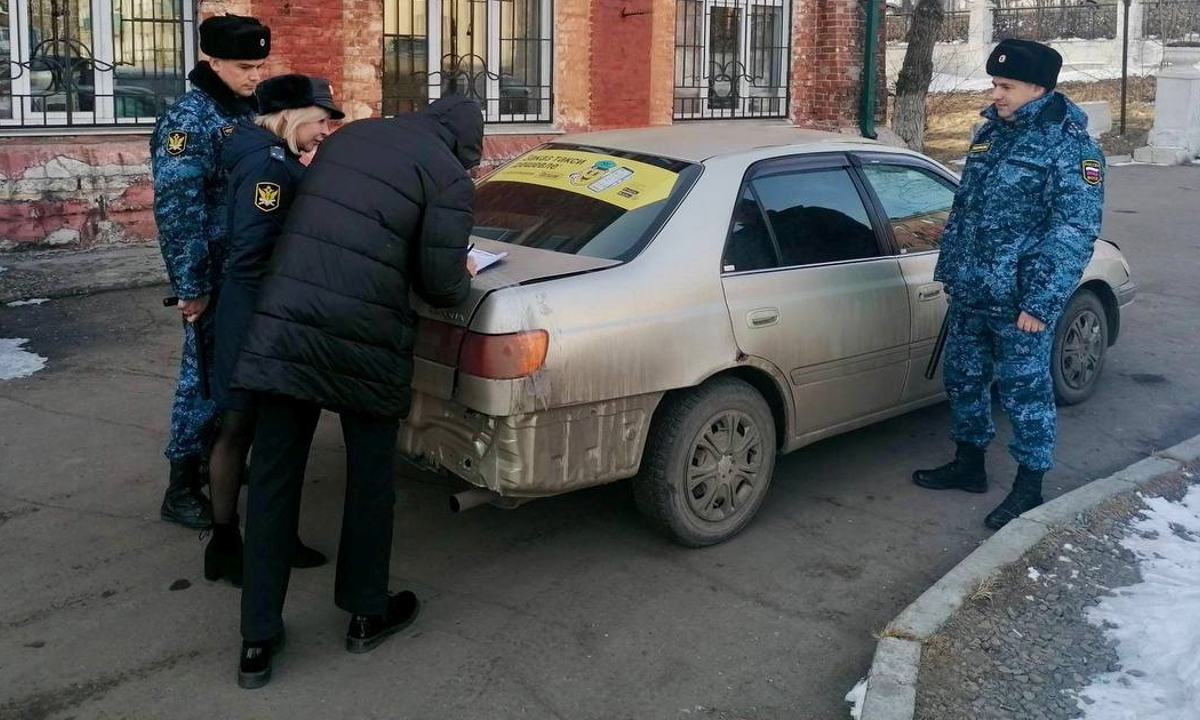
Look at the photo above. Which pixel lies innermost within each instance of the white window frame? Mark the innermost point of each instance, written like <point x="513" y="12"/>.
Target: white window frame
<point x="103" y="52"/>
<point x="433" y="34"/>
<point x="752" y="92"/>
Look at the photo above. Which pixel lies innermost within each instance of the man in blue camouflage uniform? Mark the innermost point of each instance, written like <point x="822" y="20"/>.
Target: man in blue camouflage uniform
<point x="189" y="209"/>
<point x="1020" y="233"/>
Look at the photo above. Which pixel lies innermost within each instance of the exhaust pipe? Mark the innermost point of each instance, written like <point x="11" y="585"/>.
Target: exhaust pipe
<point x="474" y="497"/>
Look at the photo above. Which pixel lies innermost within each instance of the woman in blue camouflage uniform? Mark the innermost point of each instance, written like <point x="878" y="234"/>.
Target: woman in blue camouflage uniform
<point x="1021" y="232"/>
<point x="189" y="210"/>
<point x="264" y="169"/>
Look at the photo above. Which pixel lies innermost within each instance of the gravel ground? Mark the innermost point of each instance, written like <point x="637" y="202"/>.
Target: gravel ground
<point x="1021" y="647"/>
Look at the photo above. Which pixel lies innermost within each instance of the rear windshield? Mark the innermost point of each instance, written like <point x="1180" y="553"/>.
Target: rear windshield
<point x="581" y="201"/>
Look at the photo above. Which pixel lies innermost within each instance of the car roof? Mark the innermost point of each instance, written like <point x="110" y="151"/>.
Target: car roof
<point x="700" y="141"/>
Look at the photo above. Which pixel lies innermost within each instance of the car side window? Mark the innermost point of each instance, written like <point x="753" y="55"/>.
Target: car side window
<point x="817" y="217"/>
<point x="917" y="203"/>
<point x="749" y="246"/>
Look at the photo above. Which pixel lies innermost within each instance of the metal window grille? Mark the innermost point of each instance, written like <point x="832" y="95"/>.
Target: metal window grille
<point x="497" y="52"/>
<point x="955" y="27"/>
<point x="731" y="58"/>
<point x="93" y="62"/>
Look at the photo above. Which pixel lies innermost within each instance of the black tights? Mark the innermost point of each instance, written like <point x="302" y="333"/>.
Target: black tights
<point x="227" y="463"/>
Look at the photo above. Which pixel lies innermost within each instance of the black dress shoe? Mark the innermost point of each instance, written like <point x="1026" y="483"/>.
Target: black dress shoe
<point x="305" y="557"/>
<point x="254" y="668"/>
<point x="368" y="631"/>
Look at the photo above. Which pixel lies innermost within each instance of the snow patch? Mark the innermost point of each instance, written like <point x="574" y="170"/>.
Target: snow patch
<point x="1034" y="575"/>
<point x="16" y="362"/>
<point x="1155" y="623"/>
<point x="856" y="697"/>
<point x="30" y="301"/>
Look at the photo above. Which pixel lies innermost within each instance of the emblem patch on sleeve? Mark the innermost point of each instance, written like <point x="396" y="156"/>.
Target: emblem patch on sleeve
<point x="176" y="142"/>
<point x="226" y="130"/>
<point x="981" y="147"/>
<point x="1092" y="174"/>
<point x="266" y="196"/>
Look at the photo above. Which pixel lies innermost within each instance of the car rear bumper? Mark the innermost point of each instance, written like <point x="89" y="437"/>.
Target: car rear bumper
<point x="1125" y="293"/>
<point x="532" y="455"/>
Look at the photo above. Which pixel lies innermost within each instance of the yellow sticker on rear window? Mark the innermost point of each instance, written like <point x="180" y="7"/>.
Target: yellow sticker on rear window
<point x="628" y="184"/>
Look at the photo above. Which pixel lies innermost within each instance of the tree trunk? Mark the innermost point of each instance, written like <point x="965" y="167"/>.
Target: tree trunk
<point x="915" y="74"/>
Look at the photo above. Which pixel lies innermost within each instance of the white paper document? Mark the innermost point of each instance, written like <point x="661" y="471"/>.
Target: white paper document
<point x="484" y="259"/>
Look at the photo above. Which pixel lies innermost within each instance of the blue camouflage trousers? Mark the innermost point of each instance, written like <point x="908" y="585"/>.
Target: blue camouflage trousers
<point x="192" y="414"/>
<point x="980" y="348"/>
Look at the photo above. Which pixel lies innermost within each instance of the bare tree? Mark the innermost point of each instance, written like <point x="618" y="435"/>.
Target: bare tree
<point x="912" y="84"/>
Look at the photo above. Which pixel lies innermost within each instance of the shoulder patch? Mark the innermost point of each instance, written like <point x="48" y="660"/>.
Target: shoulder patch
<point x="276" y="153"/>
<point x="266" y="196"/>
<point x="980" y="147"/>
<point x="1093" y="174"/>
<point x="226" y="130"/>
<point x="176" y="142"/>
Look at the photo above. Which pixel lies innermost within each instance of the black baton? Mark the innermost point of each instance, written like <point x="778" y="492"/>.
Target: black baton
<point x="198" y="338"/>
<point x="938" y="347"/>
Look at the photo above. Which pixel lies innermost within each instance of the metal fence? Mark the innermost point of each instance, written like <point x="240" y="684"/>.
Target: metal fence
<point x="1053" y="22"/>
<point x="956" y="25"/>
<point x="1169" y="20"/>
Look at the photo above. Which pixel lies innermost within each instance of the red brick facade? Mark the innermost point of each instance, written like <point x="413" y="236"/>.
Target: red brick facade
<point x="613" y="67"/>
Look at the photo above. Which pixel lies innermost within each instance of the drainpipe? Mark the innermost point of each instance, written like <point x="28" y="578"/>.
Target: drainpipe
<point x="866" y="111"/>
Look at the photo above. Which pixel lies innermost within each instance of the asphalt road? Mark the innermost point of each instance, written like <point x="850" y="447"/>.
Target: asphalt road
<point x="567" y="607"/>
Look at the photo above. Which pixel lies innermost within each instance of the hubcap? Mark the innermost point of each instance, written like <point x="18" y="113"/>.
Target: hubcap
<point x="725" y="467"/>
<point x="1082" y="348"/>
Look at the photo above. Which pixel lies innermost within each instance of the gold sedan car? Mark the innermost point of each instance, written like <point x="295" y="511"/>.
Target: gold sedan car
<point x="679" y="305"/>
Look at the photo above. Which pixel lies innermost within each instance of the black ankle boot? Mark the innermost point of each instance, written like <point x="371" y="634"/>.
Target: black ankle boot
<point x="254" y="666"/>
<point x="183" y="503"/>
<point x="1026" y="495"/>
<point x="305" y="557"/>
<point x="965" y="472"/>
<point x="223" y="554"/>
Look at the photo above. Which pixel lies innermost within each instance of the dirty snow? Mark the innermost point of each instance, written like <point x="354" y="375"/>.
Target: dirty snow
<point x="30" y="301"/>
<point x="855" y="697"/>
<point x="16" y="362"/>
<point x="1155" y="623"/>
<point x="1034" y="575"/>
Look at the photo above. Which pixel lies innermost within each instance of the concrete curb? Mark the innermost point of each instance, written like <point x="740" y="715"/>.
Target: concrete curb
<point x="891" y="691"/>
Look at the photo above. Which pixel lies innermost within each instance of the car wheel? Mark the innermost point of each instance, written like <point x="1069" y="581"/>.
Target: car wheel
<point x="708" y="462"/>
<point x="1080" y="344"/>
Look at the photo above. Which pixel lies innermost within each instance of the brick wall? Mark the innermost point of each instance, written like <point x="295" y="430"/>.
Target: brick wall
<point x="613" y="67"/>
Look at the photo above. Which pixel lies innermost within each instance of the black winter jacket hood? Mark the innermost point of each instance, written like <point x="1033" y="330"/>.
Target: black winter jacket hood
<point x="460" y="125"/>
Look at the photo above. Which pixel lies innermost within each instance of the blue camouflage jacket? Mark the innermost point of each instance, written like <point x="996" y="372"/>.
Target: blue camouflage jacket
<point x="1027" y="213"/>
<point x="189" y="184"/>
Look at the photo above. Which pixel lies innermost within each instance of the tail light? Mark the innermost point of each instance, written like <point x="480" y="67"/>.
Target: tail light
<point x="504" y="357"/>
<point x="496" y="357"/>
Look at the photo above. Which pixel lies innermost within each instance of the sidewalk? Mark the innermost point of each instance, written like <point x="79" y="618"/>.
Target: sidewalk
<point x="1088" y="604"/>
<point x="53" y="274"/>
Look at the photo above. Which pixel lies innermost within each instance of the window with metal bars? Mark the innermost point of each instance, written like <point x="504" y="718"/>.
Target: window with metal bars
<point x="731" y="58"/>
<point x="495" y="51"/>
<point x="92" y="62"/>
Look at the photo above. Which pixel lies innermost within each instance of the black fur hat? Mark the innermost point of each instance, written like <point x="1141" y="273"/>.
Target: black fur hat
<point x="286" y="92"/>
<point x="233" y="37"/>
<point x="1026" y="60"/>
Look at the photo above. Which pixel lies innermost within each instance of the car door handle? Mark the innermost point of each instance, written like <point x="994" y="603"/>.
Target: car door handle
<point x="764" y="317"/>
<point x="932" y="291"/>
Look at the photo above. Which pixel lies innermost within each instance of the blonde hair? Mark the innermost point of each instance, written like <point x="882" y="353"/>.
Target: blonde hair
<point x="285" y="123"/>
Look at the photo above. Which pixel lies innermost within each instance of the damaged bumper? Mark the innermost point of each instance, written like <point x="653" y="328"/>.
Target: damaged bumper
<point x="534" y="454"/>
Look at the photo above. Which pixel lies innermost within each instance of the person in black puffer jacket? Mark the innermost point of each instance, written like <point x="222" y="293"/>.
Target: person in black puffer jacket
<point x="263" y="170"/>
<point x="384" y="208"/>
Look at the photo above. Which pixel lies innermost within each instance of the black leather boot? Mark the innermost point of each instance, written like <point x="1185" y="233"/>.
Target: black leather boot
<point x="1026" y="494"/>
<point x="254" y="666"/>
<point x="223" y="554"/>
<point x="366" y="632"/>
<point x="305" y="557"/>
<point x="965" y="472"/>
<point x="183" y="503"/>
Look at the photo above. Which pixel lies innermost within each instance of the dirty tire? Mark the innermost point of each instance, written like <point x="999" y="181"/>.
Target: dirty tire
<point x="708" y="462"/>
<point x="1080" y="345"/>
